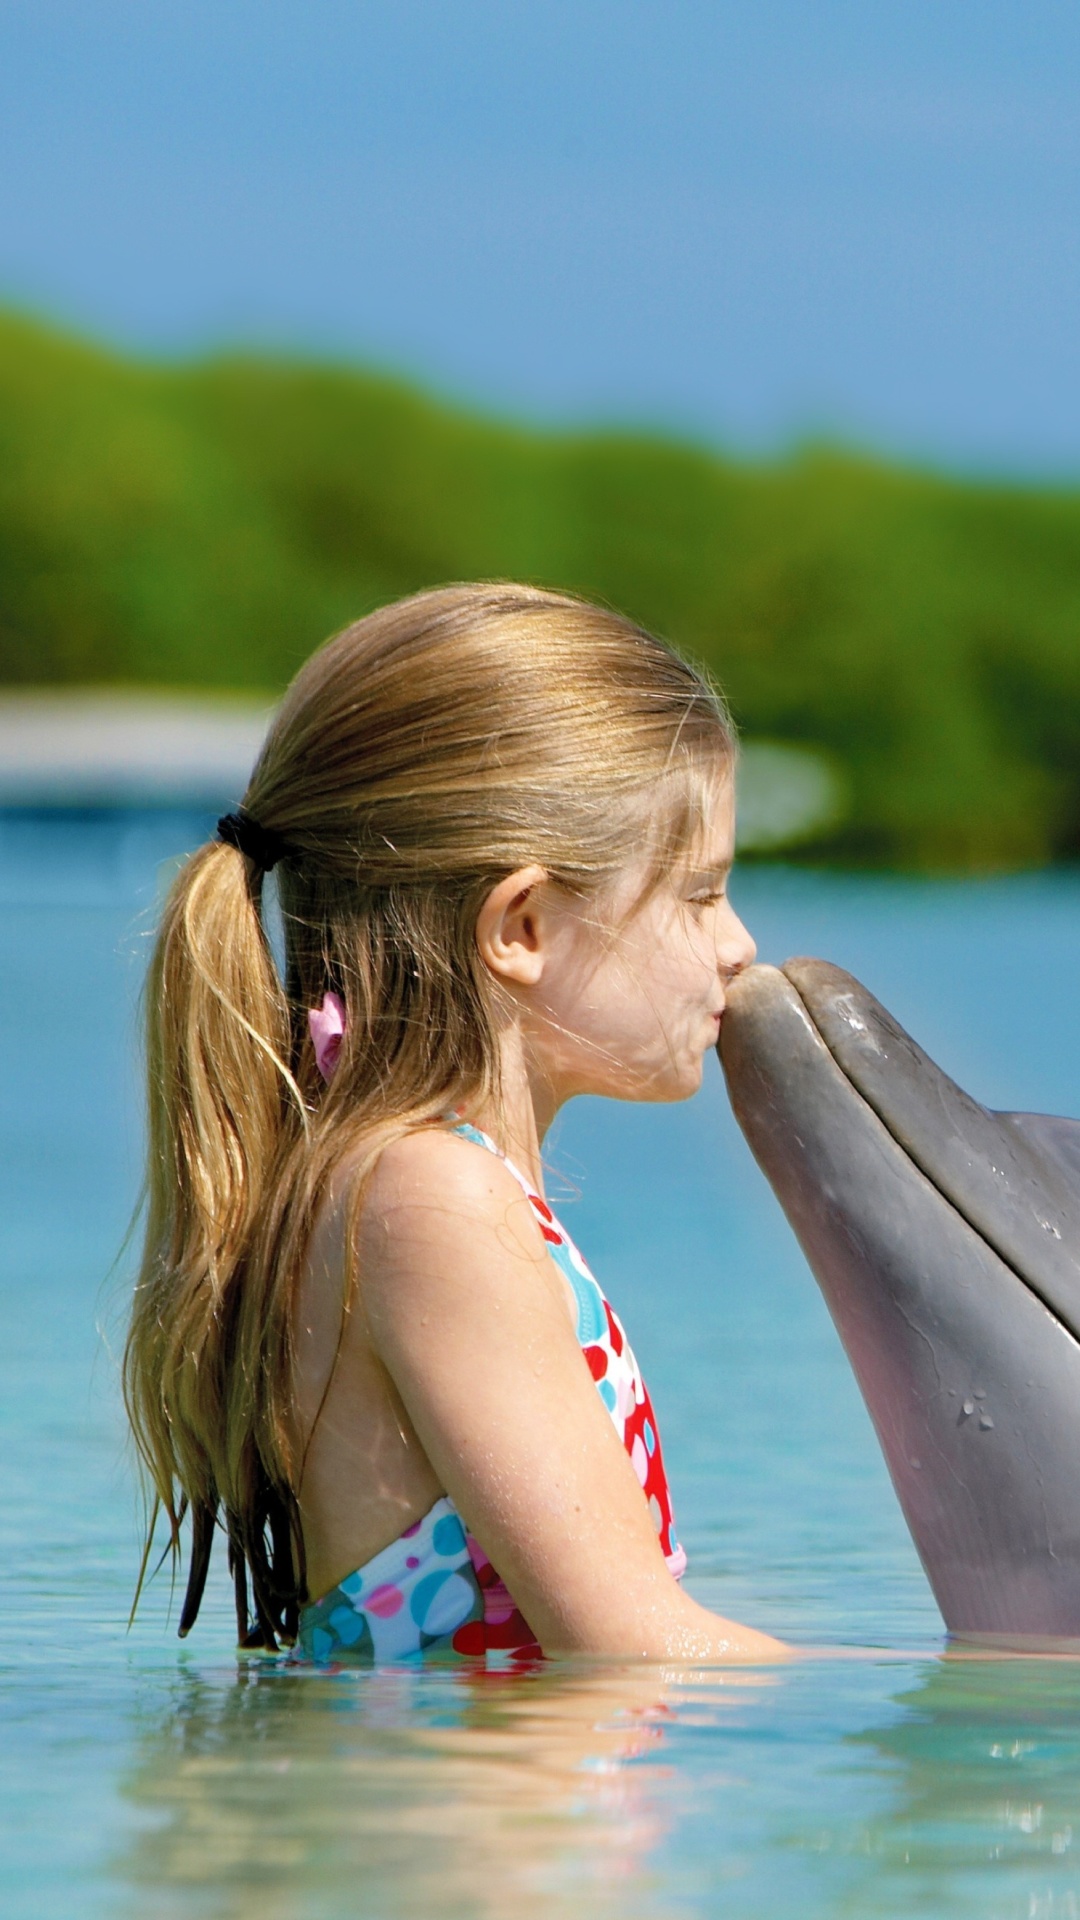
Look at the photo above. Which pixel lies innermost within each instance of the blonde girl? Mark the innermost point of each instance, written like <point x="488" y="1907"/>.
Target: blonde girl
<point x="500" y="823"/>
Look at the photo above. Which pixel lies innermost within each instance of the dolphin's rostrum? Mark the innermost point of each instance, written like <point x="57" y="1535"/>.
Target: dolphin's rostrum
<point x="946" y="1241"/>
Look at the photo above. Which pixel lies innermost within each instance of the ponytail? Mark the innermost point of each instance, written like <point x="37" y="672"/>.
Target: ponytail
<point x="222" y="1104"/>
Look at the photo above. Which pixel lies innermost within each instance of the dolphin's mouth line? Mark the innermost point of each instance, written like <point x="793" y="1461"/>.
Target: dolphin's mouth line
<point x="920" y="1163"/>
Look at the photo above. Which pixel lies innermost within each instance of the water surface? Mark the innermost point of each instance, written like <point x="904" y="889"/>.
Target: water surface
<point x="139" y="1777"/>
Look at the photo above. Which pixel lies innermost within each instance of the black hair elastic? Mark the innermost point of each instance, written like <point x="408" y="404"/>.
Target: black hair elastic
<point x="265" y="846"/>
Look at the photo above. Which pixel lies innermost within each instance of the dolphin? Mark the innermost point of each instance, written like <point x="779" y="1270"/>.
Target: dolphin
<point x="945" y="1238"/>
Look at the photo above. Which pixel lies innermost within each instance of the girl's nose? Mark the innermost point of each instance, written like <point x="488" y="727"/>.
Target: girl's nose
<point x="737" y="948"/>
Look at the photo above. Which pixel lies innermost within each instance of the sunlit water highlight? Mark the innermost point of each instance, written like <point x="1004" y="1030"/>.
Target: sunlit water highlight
<point x="141" y="1778"/>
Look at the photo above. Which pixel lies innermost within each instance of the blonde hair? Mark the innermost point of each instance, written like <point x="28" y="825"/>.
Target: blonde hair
<point x="418" y="757"/>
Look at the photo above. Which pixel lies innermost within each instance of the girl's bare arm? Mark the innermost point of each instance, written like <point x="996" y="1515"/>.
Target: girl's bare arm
<point x="466" y="1311"/>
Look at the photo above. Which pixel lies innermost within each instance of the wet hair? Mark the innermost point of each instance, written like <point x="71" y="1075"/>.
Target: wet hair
<point x="417" y="759"/>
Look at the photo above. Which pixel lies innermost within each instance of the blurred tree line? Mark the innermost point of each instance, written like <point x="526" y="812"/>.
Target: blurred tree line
<point x="206" y="525"/>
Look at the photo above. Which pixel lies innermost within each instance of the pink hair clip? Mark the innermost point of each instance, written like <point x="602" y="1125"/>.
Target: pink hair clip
<point x="326" y="1025"/>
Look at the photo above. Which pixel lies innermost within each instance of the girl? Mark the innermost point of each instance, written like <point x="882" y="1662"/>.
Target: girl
<point x="500" y="822"/>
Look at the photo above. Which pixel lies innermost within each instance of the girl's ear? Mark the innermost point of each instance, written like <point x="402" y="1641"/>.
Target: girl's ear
<point x="509" y="928"/>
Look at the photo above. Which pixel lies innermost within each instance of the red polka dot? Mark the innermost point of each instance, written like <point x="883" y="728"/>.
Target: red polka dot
<point x="541" y="1207"/>
<point x="550" y="1234"/>
<point x="511" y="1636"/>
<point x="597" y="1361"/>
<point x="470" y="1638"/>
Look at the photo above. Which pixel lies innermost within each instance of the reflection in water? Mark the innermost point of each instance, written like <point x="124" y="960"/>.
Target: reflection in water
<point x="987" y="1814"/>
<point x="483" y="1794"/>
<point x="950" y="1789"/>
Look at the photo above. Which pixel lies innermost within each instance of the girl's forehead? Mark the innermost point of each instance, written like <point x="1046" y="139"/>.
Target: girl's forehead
<point x="699" y="839"/>
<point x="712" y="843"/>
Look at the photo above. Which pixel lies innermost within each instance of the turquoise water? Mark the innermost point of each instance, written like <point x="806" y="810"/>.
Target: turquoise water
<point x="142" y="1778"/>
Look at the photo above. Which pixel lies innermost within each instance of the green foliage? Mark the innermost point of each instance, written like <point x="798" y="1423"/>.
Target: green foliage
<point x="207" y="525"/>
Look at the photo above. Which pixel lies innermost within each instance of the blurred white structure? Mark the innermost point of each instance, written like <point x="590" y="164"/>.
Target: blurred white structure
<point x="107" y="749"/>
<point x="96" y="749"/>
<point x="786" y="795"/>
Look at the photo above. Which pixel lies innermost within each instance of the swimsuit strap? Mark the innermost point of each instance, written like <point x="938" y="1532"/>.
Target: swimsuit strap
<point x="608" y="1355"/>
<point x="468" y="1132"/>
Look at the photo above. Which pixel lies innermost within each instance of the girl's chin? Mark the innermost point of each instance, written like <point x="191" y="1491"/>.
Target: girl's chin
<point x="665" y="1083"/>
<point x="677" y="1086"/>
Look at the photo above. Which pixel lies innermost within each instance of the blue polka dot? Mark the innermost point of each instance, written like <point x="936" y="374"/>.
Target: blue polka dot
<point x="650" y="1438"/>
<point x="607" y="1394"/>
<point x="448" y="1536"/>
<point x="322" y="1644"/>
<point x="349" y="1625"/>
<point x="455" y="1602"/>
<point x="441" y="1601"/>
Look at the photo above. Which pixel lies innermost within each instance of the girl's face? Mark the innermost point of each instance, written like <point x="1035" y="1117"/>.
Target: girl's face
<point x="629" y="997"/>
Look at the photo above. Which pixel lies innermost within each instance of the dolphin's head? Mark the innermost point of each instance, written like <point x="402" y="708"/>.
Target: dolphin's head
<point x="946" y="1240"/>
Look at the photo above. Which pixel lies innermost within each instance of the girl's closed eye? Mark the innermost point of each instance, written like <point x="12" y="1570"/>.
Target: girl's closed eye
<point x="707" y="889"/>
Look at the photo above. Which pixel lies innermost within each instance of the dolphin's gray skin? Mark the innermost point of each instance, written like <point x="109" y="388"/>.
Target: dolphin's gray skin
<point x="946" y="1240"/>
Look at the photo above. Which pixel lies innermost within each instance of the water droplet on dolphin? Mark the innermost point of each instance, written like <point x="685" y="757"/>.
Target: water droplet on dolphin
<point x="985" y="1422"/>
<point x="969" y="1406"/>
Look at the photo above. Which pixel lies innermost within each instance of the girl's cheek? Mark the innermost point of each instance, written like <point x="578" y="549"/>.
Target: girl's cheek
<point x="706" y="947"/>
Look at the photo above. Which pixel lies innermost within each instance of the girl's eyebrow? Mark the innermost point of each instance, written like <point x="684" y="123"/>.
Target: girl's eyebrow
<point x="702" y="876"/>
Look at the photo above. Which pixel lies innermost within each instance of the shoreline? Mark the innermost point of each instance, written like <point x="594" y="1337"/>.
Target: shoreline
<point x="101" y="747"/>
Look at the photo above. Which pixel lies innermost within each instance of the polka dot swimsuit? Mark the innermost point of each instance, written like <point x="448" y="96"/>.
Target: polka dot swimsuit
<point x="434" y="1591"/>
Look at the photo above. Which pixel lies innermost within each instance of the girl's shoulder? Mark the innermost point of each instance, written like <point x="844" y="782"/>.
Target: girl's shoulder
<point x="433" y="1161"/>
<point x="446" y="1228"/>
<point x="437" y="1175"/>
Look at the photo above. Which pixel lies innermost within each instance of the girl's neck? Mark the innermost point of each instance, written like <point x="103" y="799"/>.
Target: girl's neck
<point x="524" y="1113"/>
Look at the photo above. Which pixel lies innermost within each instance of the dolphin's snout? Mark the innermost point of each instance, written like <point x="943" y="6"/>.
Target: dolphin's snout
<point x="946" y="1241"/>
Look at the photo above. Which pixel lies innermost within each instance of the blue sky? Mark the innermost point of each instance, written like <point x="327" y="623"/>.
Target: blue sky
<point x="743" y="222"/>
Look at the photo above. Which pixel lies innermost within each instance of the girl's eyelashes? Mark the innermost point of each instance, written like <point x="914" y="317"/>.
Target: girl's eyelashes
<point x="708" y="885"/>
<point x="710" y="899"/>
